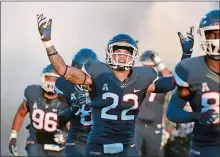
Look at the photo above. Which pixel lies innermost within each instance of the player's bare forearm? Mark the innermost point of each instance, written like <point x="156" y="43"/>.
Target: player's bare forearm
<point x="20" y="116"/>
<point x="71" y="74"/>
<point x="77" y="76"/>
<point x="56" y="60"/>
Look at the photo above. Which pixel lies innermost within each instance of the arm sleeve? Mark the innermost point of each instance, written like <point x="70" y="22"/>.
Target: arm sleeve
<point x="164" y="85"/>
<point x="176" y="112"/>
<point x="65" y="115"/>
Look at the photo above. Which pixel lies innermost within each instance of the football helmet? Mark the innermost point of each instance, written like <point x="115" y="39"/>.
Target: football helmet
<point x="80" y="59"/>
<point x="121" y="41"/>
<point x="209" y="22"/>
<point x="48" y="86"/>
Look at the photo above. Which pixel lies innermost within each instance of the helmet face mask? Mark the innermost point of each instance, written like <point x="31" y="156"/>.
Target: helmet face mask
<point x="209" y="31"/>
<point x="120" y="45"/>
<point x="48" y="79"/>
<point x="210" y="46"/>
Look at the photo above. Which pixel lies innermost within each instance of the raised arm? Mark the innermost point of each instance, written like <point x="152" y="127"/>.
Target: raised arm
<point x="70" y="73"/>
<point x="165" y="84"/>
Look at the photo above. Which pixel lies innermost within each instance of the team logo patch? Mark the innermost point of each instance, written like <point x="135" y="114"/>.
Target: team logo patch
<point x="35" y="105"/>
<point x="105" y="87"/>
<point x="205" y="87"/>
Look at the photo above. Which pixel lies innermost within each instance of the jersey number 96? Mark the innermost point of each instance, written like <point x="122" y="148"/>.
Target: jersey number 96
<point x="46" y="121"/>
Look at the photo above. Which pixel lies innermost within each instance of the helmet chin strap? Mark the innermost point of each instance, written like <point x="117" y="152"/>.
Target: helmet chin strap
<point x="50" y="99"/>
<point x="120" y="68"/>
<point x="50" y="93"/>
<point x="216" y="58"/>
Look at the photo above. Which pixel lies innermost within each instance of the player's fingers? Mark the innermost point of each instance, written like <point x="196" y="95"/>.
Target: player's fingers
<point x="49" y="23"/>
<point x="190" y="36"/>
<point x="14" y="151"/>
<point x="42" y="25"/>
<point x="39" y="17"/>
<point x="180" y="36"/>
<point x="42" y="20"/>
<point x="191" y="30"/>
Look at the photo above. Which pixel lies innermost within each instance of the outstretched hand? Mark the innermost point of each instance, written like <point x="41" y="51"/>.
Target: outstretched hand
<point x="188" y="41"/>
<point x="44" y="27"/>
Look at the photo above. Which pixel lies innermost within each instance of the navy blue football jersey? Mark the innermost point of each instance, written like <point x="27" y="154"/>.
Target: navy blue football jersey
<point x="43" y="114"/>
<point x="151" y="110"/>
<point x="80" y="123"/>
<point x="204" y="88"/>
<point x="115" y="104"/>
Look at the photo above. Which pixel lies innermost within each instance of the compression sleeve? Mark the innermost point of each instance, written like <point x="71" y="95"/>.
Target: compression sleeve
<point x="176" y="113"/>
<point x="164" y="85"/>
<point x="65" y="115"/>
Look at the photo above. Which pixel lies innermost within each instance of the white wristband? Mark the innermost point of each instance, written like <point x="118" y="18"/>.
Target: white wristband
<point x="14" y="134"/>
<point x="157" y="60"/>
<point x="47" y="44"/>
<point x="161" y="66"/>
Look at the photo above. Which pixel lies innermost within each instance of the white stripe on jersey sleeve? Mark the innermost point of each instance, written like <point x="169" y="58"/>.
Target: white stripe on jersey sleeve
<point x="156" y="78"/>
<point x="84" y="70"/>
<point x="179" y="81"/>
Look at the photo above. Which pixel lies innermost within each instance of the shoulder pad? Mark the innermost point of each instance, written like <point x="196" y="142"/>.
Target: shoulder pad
<point x="33" y="92"/>
<point x="146" y="73"/>
<point x="94" y="68"/>
<point x="189" y="71"/>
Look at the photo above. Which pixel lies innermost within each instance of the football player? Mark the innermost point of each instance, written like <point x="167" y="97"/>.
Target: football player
<point x="81" y="121"/>
<point x="43" y="104"/>
<point x="117" y="89"/>
<point x="149" y="126"/>
<point x="197" y="81"/>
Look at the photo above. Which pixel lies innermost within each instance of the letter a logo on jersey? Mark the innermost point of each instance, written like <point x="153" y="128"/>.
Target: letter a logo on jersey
<point x="35" y="105"/>
<point x="73" y="96"/>
<point x="105" y="87"/>
<point x="205" y="87"/>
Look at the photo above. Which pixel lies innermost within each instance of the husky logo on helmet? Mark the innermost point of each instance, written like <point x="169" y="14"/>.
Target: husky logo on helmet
<point x="80" y="59"/>
<point x="83" y="56"/>
<point x="48" y="86"/>
<point x="210" y="22"/>
<point x="121" y="41"/>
